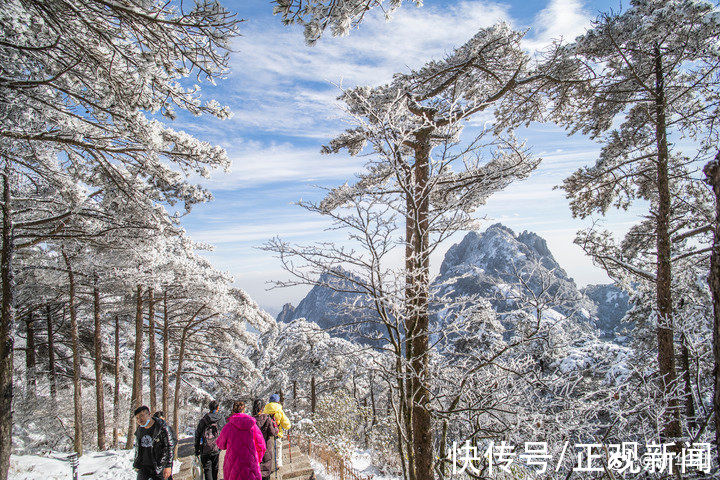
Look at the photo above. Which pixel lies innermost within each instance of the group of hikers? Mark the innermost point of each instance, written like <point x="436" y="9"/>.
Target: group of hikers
<point x="252" y="443"/>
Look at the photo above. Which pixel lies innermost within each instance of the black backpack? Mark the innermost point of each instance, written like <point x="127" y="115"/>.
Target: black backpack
<point x="210" y="436"/>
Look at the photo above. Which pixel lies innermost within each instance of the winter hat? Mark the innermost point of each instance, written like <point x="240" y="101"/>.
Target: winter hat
<point x="275" y="398"/>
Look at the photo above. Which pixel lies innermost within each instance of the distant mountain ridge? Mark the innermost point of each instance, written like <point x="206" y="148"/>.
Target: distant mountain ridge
<point x="327" y="305"/>
<point x="482" y="264"/>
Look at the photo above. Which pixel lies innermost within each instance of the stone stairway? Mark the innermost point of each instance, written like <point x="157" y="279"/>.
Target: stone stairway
<point x="296" y="465"/>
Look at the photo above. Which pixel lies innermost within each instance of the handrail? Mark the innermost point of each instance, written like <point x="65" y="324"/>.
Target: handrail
<point x="334" y="462"/>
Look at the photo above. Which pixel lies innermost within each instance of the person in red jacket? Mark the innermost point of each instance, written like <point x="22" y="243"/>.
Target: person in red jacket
<point x="244" y="445"/>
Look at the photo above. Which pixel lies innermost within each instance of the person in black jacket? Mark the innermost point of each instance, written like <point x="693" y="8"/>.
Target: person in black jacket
<point x="154" y="447"/>
<point x="206" y="435"/>
<point x="161" y="415"/>
<point x="269" y="429"/>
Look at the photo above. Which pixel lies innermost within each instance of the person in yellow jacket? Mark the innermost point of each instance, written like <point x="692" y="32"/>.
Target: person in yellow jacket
<point x="274" y="409"/>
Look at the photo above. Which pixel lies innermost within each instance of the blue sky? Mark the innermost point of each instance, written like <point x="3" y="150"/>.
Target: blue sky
<point x="283" y="94"/>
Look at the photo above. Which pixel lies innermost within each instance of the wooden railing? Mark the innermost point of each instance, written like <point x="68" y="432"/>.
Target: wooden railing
<point x="334" y="463"/>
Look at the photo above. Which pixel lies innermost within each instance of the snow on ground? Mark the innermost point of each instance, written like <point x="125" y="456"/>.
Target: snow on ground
<point x="320" y="473"/>
<point x="108" y="465"/>
<point x="361" y="460"/>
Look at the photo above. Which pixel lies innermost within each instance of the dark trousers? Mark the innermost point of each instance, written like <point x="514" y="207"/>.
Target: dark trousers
<point x="210" y="464"/>
<point x="148" y="474"/>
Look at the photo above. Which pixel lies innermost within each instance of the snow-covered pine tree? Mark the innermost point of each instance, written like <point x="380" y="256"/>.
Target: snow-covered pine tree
<point x="78" y="84"/>
<point x="421" y="172"/>
<point x="635" y="80"/>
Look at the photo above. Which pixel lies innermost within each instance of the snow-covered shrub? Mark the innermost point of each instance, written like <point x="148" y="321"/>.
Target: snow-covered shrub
<point x="339" y="421"/>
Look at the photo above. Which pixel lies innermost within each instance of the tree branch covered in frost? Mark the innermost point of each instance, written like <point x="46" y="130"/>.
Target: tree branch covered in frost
<point x="80" y="81"/>
<point x="316" y="16"/>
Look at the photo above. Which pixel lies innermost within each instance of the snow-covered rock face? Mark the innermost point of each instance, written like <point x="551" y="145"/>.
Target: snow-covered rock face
<point x="493" y="249"/>
<point x="612" y="303"/>
<point x="330" y="308"/>
<point x="286" y="314"/>
<point x="489" y="264"/>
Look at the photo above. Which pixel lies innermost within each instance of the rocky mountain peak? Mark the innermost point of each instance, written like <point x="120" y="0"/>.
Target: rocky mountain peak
<point x="286" y="313"/>
<point x="495" y="250"/>
<point x="481" y="264"/>
<point x="536" y="243"/>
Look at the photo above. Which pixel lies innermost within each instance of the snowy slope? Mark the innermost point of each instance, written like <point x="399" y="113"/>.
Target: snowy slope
<point x="107" y="465"/>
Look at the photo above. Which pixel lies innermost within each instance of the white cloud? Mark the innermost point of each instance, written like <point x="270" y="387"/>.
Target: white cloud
<point x="285" y="87"/>
<point x="254" y="163"/>
<point x="369" y="55"/>
<point x="561" y="19"/>
<point x="260" y="233"/>
<point x="282" y="86"/>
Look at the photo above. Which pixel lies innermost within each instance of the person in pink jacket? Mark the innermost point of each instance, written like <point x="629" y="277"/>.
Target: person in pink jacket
<point x="244" y="445"/>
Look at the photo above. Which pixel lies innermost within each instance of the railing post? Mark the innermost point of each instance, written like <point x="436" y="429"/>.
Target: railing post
<point x="74" y="463"/>
<point x="289" y="447"/>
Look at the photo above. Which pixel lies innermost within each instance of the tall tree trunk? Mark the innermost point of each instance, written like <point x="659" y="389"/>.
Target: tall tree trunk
<point x="152" y="366"/>
<point x="313" y="398"/>
<point x="712" y="172"/>
<point x="405" y="430"/>
<point x="365" y="422"/>
<point x="354" y="390"/>
<point x="116" y="390"/>
<point x="51" y="355"/>
<point x="666" y="347"/>
<point x="7" y="320"/>
<point x="418" y="419"/>
<point x="687" y="383"/>
<point x="136" y="398"/>
<point x="372" y="401"/>
<point x="422" y="421"/>
<point x="166" y="358"/>
<point x="294" y="393"/>
<point x="401" y="423"/>
<point x="406" y="379"/>
<point x="77" y="373"/>
<point x="30" y="355"/>
<point x="178" y="379"/>
<point x="99" y="387"/>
